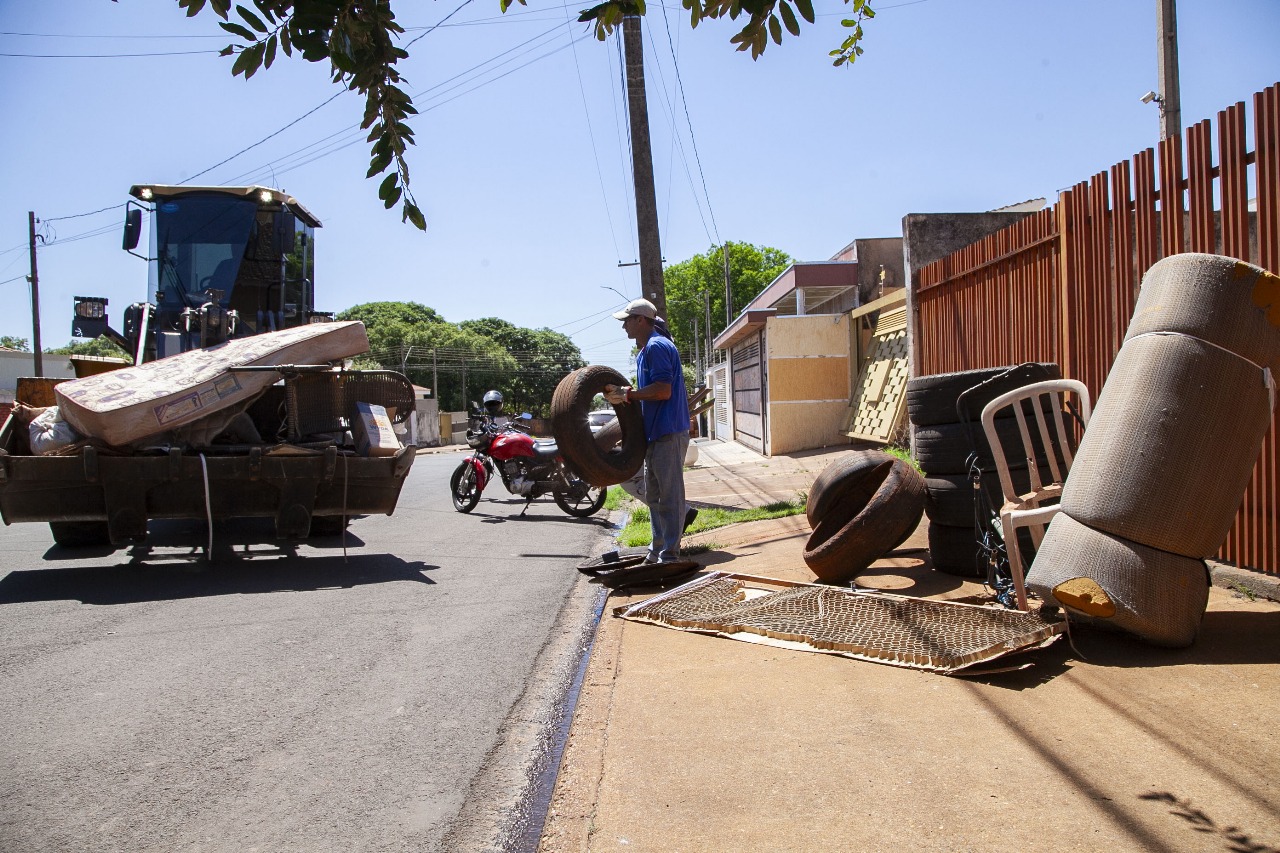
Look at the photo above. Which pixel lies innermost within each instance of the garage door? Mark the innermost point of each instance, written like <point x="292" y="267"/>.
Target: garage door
<point x="748" y="393"/>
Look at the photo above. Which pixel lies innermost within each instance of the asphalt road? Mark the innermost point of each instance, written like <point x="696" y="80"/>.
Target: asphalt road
<point x="288" y="698"/>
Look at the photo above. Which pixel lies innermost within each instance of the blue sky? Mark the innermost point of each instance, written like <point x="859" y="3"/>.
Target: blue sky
<point x="521" y="164"/>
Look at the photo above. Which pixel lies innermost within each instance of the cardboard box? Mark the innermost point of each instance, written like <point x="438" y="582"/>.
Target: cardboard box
<point x="373" y="433"/>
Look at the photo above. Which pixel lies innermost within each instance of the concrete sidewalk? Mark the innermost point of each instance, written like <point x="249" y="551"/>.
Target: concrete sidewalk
<point x="686" y="742"/>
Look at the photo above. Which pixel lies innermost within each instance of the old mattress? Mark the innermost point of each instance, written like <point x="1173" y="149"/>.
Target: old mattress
<point x="126" y="405"/>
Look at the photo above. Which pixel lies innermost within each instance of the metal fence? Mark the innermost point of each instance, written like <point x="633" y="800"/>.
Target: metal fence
<point x="1060" y="285"/>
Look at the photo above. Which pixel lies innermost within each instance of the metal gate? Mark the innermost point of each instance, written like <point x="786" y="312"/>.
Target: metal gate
<point x="748" y="393"/>
<point x="721" y="412"/>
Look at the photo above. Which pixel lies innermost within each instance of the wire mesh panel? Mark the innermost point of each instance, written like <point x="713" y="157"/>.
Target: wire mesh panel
<point x="936" y="635"/>
<point x="326" y="402"/>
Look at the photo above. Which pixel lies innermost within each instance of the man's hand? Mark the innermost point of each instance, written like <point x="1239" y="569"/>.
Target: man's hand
<point x="616" y="395"/>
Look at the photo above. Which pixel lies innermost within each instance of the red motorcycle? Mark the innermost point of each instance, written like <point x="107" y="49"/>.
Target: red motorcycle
<point x="529" y="468"/>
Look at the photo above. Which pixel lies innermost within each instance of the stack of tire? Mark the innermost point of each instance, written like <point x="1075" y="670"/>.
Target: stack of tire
<point x="946" y="415"/>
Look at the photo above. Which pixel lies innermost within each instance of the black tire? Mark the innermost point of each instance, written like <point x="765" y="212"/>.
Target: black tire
<point x="463" y="488"/>
<point x="855" y="533"/>
<point x="569" y="406"/>
<point x="581" y="499"/>
<point x="80" y="534"/>
<point x="946" y="448"/>
<point x="954" y="551"/>
<point x="838" y="478"/>
<point x="932" y="399"/>
<point x="329" y="525"/>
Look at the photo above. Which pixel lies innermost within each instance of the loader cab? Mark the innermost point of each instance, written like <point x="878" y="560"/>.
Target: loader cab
<point x="223" y="262"/>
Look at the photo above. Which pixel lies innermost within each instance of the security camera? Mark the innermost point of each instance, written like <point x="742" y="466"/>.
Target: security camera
<point x="1149" y="97"/>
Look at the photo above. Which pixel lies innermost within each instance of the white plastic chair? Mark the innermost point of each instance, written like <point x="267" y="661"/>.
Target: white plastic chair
<point x="1027" y="510"/>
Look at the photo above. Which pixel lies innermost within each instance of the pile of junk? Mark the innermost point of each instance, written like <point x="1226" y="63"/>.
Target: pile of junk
<point x="267" y="426"/>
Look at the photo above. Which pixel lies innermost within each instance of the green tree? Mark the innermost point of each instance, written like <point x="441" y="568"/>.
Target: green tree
<point x="358" y="38"/>
<point x="10" y="342"/>
<point x="689" y="282"/>
<point x="543" y="358"/>
<point x="461" y="361"/>
<point x="96" y="347"/>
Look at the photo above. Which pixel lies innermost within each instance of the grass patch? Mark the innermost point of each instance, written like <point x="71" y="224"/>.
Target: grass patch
<point x="637" y="532"/>
<point x="903" y="454"/>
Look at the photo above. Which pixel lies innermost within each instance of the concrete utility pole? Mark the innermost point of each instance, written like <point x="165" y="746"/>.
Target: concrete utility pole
<point x="651" y="283"/>
<point x="35" y="296"/>
<point x="1167" y="62"/>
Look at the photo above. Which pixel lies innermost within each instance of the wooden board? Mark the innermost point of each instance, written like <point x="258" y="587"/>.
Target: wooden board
<point x="879" y="399"/>
<point x="126" y="405"/>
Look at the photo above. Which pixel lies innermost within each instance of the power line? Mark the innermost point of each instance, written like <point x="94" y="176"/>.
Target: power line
<point x="104" y="55"/>
<point x="79" y="215"/>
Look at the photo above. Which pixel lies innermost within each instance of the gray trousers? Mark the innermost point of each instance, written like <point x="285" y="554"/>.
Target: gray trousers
<point x="663" y="480"/>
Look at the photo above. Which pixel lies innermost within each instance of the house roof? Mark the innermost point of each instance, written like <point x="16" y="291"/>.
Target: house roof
<point x="821" y="281"/>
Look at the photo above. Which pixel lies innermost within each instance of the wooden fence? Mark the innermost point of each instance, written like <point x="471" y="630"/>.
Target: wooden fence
<point x="1060" y="285"/>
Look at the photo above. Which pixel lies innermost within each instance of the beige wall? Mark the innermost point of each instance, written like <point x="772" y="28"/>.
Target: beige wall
<point x="808" y="381"/>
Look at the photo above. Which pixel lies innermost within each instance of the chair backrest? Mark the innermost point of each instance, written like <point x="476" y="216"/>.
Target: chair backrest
<point x="1044" y="400"/>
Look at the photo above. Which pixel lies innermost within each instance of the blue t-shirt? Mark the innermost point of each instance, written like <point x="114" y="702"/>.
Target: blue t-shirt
<point x="659" y="361"/>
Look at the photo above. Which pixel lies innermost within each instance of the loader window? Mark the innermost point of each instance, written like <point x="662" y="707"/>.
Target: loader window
<point x="201" y="241"/>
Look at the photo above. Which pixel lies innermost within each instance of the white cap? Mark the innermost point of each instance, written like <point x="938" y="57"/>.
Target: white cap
<point x="638" y="308"/>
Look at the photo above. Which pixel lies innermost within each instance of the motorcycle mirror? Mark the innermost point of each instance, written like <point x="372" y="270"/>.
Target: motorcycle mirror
<point x="525" y="416"/>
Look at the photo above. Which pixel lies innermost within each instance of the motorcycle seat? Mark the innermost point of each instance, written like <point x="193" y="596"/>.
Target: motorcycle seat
<point x="545" y="450"/>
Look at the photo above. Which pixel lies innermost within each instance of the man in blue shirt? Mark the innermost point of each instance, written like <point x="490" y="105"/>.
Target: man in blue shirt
<point x="664" y="406"/>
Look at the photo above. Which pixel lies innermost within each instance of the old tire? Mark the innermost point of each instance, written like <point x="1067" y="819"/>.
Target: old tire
<point x="855" y="532"/>
<point x="838" y="478"/>
<point x="954" y="550"/>
<point x="329" y="525"/>
<point x="932" y="399"/>
<point x="946" y="448"/>
<point x="569" y="406"/>
<point x="80" y="534"/>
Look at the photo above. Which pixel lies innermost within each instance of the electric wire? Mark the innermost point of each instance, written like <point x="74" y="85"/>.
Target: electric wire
<point x="79" y="215"/>
<point x="104" y="55"/>
<point x="693" y="141"/>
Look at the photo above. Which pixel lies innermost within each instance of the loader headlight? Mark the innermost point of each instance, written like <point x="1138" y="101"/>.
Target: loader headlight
<point x="91" y="307"/>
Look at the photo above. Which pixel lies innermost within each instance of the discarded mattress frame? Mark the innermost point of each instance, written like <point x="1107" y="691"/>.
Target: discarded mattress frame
<point x="939" y="636"/>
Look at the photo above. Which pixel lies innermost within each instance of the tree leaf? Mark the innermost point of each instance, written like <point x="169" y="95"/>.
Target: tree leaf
<point x="806" y="9"/>
<point x="270" y="55"/>
<point x="387" y="186"/>
<point x="789" y="18"/>
<point x="252" y="19"/>
<point x="775" y="29"/>
<point x="237" y="30"/>
<point x="415" y="216"/>
<point x="193" y="7"/>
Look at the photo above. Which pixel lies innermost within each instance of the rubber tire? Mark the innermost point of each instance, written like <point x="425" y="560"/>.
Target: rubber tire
<point x="954" y="550"/>
<point x="329" y="525"/>
<point x="80" y="534"/>
<point x="835" y="481"/>
<point x="466" y="502"/>
<point x="932" y="399"/>
<point x="584" y="510"/>
<point x="946" y="448"/>
<point x="855" y="533"/>
<point x="950" y="498"/>
<point x="569" y="406"/>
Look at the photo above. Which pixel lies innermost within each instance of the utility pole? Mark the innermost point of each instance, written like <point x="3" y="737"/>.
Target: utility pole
<point x="651" y="283"/>
<point x="35" y="296"/>
<point x="706" y="307"/>
<point x="435" y="378"/>
<point x="696" y="351"/>
<point x="1167" y="63"/>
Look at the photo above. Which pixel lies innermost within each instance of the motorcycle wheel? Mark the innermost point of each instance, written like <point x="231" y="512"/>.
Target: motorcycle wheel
<point x="463" y="488"/>
<point x="581" y="500"/>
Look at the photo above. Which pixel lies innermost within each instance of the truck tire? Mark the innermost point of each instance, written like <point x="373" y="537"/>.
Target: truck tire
<point x="932" y="399"/>
<point x="855" y="533"/>
<point x="569" y="406"/>
<point x="842" y="477"/>
<point x="80" y="534"/>
<point x="329" y="525"/>
<point x="954" y="550"/>
<point x="946" y="448"/>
